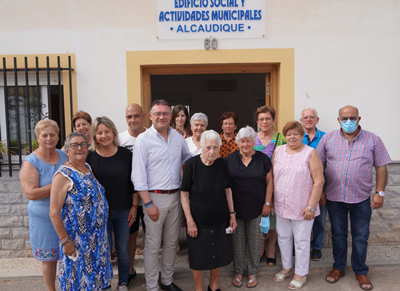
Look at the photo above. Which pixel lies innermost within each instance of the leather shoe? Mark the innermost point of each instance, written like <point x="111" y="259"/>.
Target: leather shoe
<point x="171" y="287"/>
<point x="316" y="255"/>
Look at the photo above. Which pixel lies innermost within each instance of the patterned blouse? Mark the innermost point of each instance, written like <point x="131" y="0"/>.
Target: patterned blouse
<point x="228" y="147"/>
<point x="277" y="139"/>
<point x="84" y="215"/>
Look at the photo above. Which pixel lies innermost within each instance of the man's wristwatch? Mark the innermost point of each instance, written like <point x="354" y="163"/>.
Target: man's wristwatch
<point x="380" y="193"/>
<point x="233" y="212"/>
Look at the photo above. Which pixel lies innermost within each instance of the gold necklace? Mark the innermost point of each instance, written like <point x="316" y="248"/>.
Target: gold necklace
<point x="90" y="178"/>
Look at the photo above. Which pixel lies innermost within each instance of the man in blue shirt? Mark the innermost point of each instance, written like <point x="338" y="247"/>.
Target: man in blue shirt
<point x="312" y="136"/>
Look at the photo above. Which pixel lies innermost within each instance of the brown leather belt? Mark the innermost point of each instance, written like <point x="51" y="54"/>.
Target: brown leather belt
<point x="164" y="191"/>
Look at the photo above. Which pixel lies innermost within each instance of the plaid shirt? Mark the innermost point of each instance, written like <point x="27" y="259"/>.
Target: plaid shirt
<point x="348" y="171"/>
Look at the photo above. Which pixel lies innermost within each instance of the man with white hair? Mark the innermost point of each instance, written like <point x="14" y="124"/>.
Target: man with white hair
<point x="312" y="137"/>
<point x="156" y="175"/>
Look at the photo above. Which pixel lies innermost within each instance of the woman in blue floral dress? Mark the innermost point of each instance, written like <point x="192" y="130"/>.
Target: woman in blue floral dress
<point x="78" y="210"/>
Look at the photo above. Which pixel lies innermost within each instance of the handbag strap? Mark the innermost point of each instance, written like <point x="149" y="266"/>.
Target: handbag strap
<point x="276" y="141"/>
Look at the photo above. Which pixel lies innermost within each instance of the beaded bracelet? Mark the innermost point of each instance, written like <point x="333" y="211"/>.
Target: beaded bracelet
<point x="135" y="206"/>
<point x="61" y="239"/>
<point x="65" y="241"/>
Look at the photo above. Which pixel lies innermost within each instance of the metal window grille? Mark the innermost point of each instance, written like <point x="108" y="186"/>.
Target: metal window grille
<point x="25" y="105"/>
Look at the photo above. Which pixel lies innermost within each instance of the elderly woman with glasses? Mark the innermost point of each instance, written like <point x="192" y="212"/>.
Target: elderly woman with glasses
<point x="252" y="186"/>
<point x="198" y="123"/>
<point x="207" y="202"/>
<point x="267" y="140"/>
<point x="79" y="212"/>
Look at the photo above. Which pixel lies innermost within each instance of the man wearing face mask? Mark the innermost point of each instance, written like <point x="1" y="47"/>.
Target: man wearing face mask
<point x="349" y="154"/>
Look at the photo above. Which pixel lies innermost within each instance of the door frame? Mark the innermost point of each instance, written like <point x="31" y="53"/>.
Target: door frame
<point x="279" y="63"/>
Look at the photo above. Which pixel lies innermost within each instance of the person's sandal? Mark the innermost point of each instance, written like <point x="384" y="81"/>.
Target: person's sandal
<point x="251" y="281"/>
<point x="271" y="262"/>
<point x="279" y="277"/>
<point x="335" y="274"/>
<point x="236" y="279"/>
<point x="362" y="279"/>
<point x="297" y="284"/>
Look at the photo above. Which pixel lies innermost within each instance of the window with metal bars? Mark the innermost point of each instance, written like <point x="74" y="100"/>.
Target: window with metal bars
<point x="29" y="93"/>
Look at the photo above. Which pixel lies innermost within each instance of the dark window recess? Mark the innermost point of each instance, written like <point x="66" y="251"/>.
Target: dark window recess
<point x="25" y="104"/>
<point x="222" y="85"/>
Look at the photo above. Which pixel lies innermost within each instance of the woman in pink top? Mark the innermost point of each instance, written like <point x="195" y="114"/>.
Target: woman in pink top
<point x="298" y="180"/>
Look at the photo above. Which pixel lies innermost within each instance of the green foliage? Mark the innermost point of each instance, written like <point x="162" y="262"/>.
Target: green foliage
<point x="35" y="145"/>
<point x="3" y="148"/>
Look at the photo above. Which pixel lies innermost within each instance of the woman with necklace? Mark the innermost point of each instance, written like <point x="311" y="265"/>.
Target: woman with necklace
<point x="112" y="166"/>
<point x="267" y="140"/>
<point x="79" y="212"/>
<point x="36" y="177"/>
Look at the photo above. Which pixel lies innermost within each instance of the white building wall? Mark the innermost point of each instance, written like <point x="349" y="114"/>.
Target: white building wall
<point x="346" y="52"/>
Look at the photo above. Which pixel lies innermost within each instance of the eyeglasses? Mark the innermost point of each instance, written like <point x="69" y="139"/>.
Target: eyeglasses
<point x="158" y="114"/>
<point x="352" y="118"/>
<point x="265" y="119"/>
<point x="83" y="145"/>
<point x="309" y="117"/>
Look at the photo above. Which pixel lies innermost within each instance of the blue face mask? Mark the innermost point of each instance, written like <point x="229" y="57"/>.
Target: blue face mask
<point x="265" y="224"/>
<point x="349" y="126"/>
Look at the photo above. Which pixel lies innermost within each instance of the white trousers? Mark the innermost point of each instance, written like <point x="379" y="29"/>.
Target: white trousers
<point x="165" y="229"/>
<point x="300" y="230"/>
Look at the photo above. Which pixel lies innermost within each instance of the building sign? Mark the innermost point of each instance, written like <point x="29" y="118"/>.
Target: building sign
<point x="191" y="19"/>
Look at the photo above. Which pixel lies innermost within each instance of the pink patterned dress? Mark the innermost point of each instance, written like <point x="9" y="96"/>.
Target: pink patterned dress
<point x="292" y="183"/>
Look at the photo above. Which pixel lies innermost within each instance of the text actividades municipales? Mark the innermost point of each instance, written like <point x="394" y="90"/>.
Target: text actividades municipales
<point x="205" y="15"/>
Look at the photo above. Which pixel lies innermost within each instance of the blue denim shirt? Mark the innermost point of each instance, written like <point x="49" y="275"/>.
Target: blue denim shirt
<point x="317" y="138"/>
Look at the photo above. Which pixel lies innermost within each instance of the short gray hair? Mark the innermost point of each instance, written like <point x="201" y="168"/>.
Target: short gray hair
<point x="246" y="131"/>
<point x="199" y="116"/>
<point x="71" y="136"/>
<point x="211" y="135"/>
<point x="309" y="108"/>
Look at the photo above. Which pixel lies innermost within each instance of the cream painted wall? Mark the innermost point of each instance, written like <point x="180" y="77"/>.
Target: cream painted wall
<point x="346" y="52"/>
